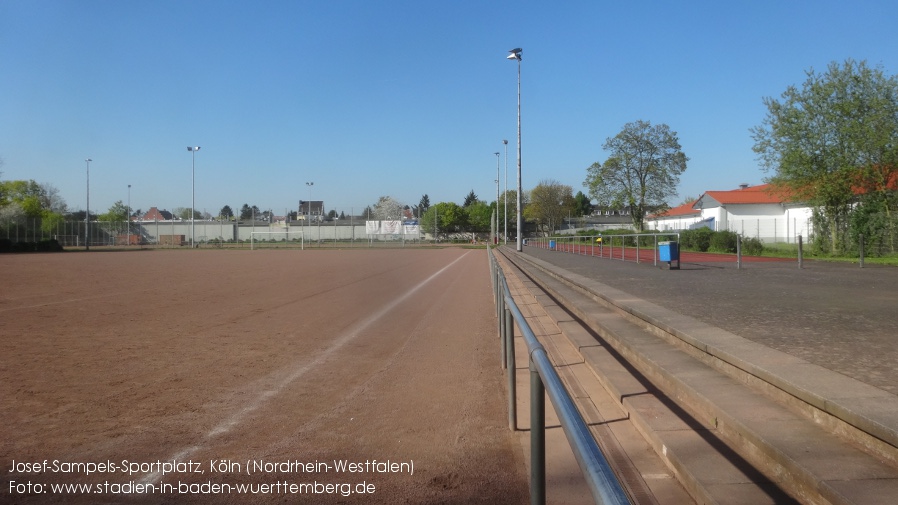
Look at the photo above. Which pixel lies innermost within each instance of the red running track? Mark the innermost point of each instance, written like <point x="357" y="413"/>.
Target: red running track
<point x="647" y="255"/>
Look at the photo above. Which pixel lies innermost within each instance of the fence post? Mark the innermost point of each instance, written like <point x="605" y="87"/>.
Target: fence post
<point x="537" y="438"/>
<point x="800" y="252"/>
<point x="512" y="371"/>
<point x="861" y="244"/>
<point x="739" y="252"/>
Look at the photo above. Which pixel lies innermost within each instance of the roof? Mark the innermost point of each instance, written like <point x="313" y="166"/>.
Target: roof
<point x="684" y="210"/>
<point x="764" y="193"/>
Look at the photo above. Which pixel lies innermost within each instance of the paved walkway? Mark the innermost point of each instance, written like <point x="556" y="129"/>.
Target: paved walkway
<point x="835" y="315"/>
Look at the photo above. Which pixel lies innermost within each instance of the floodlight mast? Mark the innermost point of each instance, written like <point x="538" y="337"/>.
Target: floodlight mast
<point x="516" y="55"/>
<point x="87" y="213"/>
<point x="496" y="243"/>
<point x="505" y="197"/>
<point x="193" y="149"/>
<point x="310" y="184"/>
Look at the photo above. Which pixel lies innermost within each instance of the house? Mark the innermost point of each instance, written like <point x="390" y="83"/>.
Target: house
<point x="310" y="208"/>
<point x="681" y="217"/>
<point x="155" y="214"/>
<point x="763" y="212"/>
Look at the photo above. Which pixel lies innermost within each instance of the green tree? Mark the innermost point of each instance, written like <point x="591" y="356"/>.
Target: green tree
<point x="834" y="136"/>
<point x="642" y="172"/>
<point x="184" y="213"/>
<point x="550" y="203"/>
<point x="471" y="198"/>
<point x="423" y="205"/>
<point x="445" y="217"/>
<point x="225" y="213"/>
<point x="479" y="216"/>
<point x="51" y="221"/>
<point x="582" y="205"/>
<point x="115" y="219"/>
<point x="511" y="216"/>
<point x="28" y="195"/>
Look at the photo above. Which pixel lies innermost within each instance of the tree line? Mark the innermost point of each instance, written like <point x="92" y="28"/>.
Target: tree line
<point x="831" y="143"/>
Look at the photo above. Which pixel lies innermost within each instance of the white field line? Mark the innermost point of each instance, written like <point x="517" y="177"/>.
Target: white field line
<point x="237" y="417"/>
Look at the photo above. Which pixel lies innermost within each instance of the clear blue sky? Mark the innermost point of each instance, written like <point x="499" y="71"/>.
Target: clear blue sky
<point x="369" y="98"/>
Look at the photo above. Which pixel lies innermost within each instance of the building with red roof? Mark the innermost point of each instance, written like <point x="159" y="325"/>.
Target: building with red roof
<point x="764" y="212"/>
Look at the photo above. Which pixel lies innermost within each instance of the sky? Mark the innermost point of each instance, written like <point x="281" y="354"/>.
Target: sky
<point x="394" y="98"/>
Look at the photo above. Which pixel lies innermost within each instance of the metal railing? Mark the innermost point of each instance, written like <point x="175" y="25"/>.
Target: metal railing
<point x="602" y="482"/>
<point x="625" y="247"/>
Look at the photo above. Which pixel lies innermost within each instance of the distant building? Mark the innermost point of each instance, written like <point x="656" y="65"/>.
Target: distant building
<point x="763" y="212"/>
<point x="681" y="217"/>
<point x="311" y="209"/>
<point x="155" y="214"/>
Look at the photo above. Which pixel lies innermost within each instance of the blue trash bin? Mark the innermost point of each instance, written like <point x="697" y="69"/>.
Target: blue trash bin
<point x="552" y="245"/>
<point x="669" y="251"/>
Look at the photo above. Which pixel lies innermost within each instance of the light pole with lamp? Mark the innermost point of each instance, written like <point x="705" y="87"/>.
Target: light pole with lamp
<point x="516" y="55"/>
<point x="128" y="218"/>
<point x="193" y="150"/>
<point x="310" y="184"/>
<point x="497" y="200"/>
<point x="87" y="214"/>
<point x="505" y="198"/>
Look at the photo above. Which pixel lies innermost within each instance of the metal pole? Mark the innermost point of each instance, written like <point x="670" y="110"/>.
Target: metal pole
<point x="497" y="199"/>
<point x="800" y="252"/>
<point x="128" y="220"/>
<point x="520" y="243"/>
<point x="537" y="438"/>
<point x="512" y="371"/>
<point x="739" y="252"/>
<point x="193" y="202"/>
<point x="193" y="150"/>
<point x="505" y="212"/>
<point x="861" y="244"/>
<point x="87" y="213"/>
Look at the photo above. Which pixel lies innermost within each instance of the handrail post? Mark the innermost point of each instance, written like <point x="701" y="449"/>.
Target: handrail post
<point x="537" y="438"/>
<point x="739" y="252"/>
<point x="861" y="246"/>
<point x="503" y="320"/>
<point x="512" y="371"/>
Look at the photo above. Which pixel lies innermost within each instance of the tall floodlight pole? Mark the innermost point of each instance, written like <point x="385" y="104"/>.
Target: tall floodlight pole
<point x="193" y="150"/>
<point x="87" y="214"/>
<point x="516" y="55"/>
<point x="505" y="198"/>
<point x="310" y="184"/>
<point x="497" y="200"/>
<point x="128" y="219"/>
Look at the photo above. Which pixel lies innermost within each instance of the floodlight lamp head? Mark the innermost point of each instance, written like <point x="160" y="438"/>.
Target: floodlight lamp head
<point x="193" y="148"/>
<point x="505" y="141"/>
<point x="497" y="154"/>
<point x="515" y="54"/>
<point x="88" y="160"/>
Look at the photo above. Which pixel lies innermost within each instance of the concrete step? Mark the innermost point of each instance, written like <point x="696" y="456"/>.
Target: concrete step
<point x="729" y="432"/>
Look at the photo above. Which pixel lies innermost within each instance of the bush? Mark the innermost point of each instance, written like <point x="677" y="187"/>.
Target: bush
<point x="752" y="246"/>
<point x="51" y="245"/>
<point x="696" y="240"/>
<point x="723" y="242"/>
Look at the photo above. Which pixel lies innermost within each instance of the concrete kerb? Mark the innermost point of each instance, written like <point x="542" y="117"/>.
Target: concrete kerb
<point x="841" y="404"/>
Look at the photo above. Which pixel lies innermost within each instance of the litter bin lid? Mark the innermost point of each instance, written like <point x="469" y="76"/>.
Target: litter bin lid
<point x="664" y="243"/>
